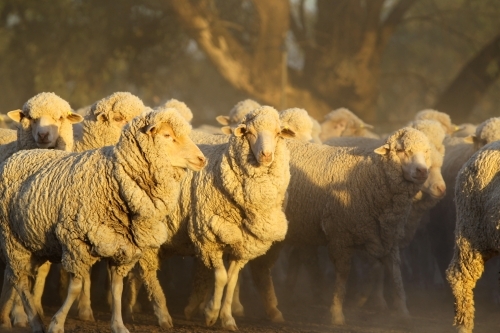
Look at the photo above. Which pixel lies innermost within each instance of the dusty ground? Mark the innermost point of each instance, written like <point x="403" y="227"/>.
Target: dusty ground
<point x="432" y="312"/>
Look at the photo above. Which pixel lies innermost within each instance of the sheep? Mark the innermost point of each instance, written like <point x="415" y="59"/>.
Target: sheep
<point x="7" y="135"/>
<point x="443" y="118"/>
<point x="214" y="207"/>
<point x="342" y="122"/>
<point x="103" y="124"/>
<point x="45" y="121"/>
<point x="458" y="151"/>
<point x="476" y="233"/>
<point x="465" y="130"/>
<point x="299" y="121"/>
<point x="181" y="107"/>
<point x="238" y="113"/>
<point x="316" y="131"/>
<point x="138" y="177"/>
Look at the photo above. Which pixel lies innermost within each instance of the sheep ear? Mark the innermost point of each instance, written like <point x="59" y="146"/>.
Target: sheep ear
<point x="74" y="118"/>
<point x="16" y="115"/>
<point x="470" y="138"/>
<point x="223" y="120"/>
<point x="150" y="129"/>
<point x="382" y="150"/>
<point x="287" y="133"/>
<point x="240" y="130"/>
<point x="364" y="125"/>
<point x="226" y="130"/>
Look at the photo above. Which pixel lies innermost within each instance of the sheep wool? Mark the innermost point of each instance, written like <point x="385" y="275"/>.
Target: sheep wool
<point x="238" y="112"/>
<point x="183" y="109"/>
<point x="299" y="122"/>
<point x="131" y="187"/>
<point x="443" y="118"/>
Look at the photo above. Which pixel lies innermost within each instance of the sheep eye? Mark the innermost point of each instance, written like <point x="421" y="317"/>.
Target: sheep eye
<point x="118" y="119"/>
<point x="167" y="135"/>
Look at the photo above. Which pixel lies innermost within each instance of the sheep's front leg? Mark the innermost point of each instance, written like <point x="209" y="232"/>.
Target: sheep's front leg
<point x="74" y="289"/>
<point x="465" y="269"/>
<point x="117" y="325"/>
<point x="226" y="317"/>
<point x="202" y="281"/>
<point x="17" y="315"/>
<point x="84" y="309"/>
<point x="392" y="266"/>
<point x="148" y="265"/>
<point x="213" y="306"/>
<point x="6" y="301"/>
<point x="134" y="284"/>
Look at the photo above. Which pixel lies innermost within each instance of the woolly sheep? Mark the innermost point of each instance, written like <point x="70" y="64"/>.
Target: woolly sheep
<point x="316" y="131"/>
<point x="342" y="122"/>
<point x="458" y="151"/>
<point x="45" y="121"/>
<point x="238" y="113"/>
<point x="443" y="118"/>
<point x="183" y="109"/>
<point x="351" y="197"/>
<point x="7" y="135"/>
<point x="239" y="196"/>
<point x="82" y="230"/>
<point x="464" y="130"/>
<point x="476" y="232"/>
<point x="103" y="124"/>
<point x="299" y="122"/>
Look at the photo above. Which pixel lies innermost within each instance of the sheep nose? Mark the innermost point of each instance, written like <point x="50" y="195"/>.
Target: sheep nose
<point x="266" y="154"/>
<point x="203" y="160"/>
<point x="421" y="172"/>
<point x="441" y="189"/>
<point x="43" y="136"/>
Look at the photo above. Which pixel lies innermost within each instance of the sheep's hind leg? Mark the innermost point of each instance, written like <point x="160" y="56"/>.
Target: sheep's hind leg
<point x="132" y="287"/>
<point x="6" y="301"/>
<point x="465" y="269"/>
<point x="74" y="289"/>
<point x="200" y="289"/>
<point x="41" y="276"/>
<point x="341" y="258"/>
<point x="392" y="264"/>
<point x="23" y="288"/>
<point x="226" y="317"/>
<point x="84" y="309"/>
<point x="213" y="306"/>
<point x="18" y="316"/>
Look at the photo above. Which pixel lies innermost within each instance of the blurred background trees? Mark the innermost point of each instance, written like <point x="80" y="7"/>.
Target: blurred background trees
<point x="383" y="59"/>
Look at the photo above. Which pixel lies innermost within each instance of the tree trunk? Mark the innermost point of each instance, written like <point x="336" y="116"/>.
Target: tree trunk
<point x="470" y="85"/>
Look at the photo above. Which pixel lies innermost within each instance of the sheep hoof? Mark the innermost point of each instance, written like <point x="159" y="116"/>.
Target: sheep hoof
<point x="238" y="310"/>
<point x="462" y="329"/>
<point x="275" y="316"/>
<point x="211" y="316"/>
<point x="118" y="328"/>
<point x="189" y="312"/>
<point x="338" y="320"/>
<point x="55" y="327"/>
<point x="166" y="322"/>
<point x="86" y="315"/>
<point x="20" y="323"/>
<point x="6" y="324"/>
<point x="229" y="324"/>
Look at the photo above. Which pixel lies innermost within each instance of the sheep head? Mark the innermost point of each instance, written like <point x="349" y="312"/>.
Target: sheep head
<point x="117" y="109"/>
<point x="410" y="149"/>
<point x="44" y="114"/>
<point x="341" y="122"/>
<point x="238" y="112"/>
<point x="262" y="129"/>
<point x="441" y="117"/>
<point x="435" y="185"/>
<point x="486" y="132"/>
<point x="299" y="122"/>
<point x="170" y="133"/>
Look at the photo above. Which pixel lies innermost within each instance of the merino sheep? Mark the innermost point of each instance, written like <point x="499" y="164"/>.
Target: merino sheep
<point x="233" y="207"/>
<point x="238" y="113"/>
<point x="299" y="121"/>
<point x="103" y="124"/>
<point x="464" y="130"/>
<point x="443" y="118"/>
<point x="476" y="233"/>
<point x="342" y="122"/>
<point x="139" y="177"/>
<point x="183" y="109"/>
<point x="443" y="215"/>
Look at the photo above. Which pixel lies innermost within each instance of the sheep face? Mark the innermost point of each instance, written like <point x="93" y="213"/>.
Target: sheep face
<point x="435" y="185"/>
<point x="180" y="149"/>
<point x="332" y="129"/>
<point x="410" y="149"/>
<point x="44" y="128"/>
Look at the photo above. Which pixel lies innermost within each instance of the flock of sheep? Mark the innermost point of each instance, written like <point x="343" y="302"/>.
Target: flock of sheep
<point x="133" y="185"/>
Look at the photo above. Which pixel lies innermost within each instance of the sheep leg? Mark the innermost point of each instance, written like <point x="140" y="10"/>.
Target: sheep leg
<point x="6" y="301"/>
<point x="237" y="308"/>
<point x="41" y="276"/>
<point x="226" y="317"/>
<point x="392" y="265"/>
<point x="23" y="289"/>
<point x="213" y="306"/>
<point x="200" y="291"/>
<point x="341" y="258"/>
<point x="17" y="315"/>
<point x="117" y="325"/>
<point x="465" y="269"/>
<point x="74" y="289"/>
<point x="134" y="284"/>
<point x="294" y="262"/>
<point x="373" y="286"/>
<point x="261" y="276"/>
<point x="84" y="309"/>
<point x="154" y="290"/>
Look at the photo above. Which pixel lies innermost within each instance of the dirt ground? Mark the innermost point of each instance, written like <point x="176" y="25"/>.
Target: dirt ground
<point x="431" y="312"/>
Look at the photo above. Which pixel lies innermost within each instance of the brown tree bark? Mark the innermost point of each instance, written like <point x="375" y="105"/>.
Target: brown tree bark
<point x="473" y="81"/>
